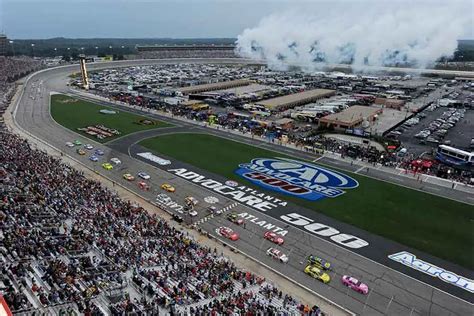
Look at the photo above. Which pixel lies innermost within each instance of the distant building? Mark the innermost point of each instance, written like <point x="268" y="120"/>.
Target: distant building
<point x="3" y="44"/>
<point x="350" y="118"/>
<point x="156" y="48"/>
<point x="214" y="86"/>
<point x="292" y="100"/>
<point x="390" y="103"/>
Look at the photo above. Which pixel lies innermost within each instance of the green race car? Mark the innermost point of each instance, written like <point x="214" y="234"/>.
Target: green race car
<point x="235" y="218"/>
<point x="318" y="262"/>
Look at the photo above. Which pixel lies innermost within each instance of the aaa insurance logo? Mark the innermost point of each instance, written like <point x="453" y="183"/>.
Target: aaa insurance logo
<point x="296" y="178"/>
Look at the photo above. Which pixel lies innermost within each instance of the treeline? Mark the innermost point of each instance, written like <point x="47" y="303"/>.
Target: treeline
<point x="70" y="47"/>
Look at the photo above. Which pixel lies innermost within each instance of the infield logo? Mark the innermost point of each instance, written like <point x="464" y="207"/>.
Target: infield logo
<point x="296" y="178"/>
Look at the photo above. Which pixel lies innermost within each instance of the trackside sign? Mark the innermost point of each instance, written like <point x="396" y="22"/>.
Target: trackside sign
<point x="296" y="178"/>
<point x="411" y="261"/>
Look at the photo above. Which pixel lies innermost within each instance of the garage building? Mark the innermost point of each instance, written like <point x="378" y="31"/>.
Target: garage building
<point x="350" y="118"/>
<point x="292" y="100"/>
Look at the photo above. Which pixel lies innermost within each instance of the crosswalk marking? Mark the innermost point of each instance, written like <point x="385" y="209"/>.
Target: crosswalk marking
<point x="211" y="216"/>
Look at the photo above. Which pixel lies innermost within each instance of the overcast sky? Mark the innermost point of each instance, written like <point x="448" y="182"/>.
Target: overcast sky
<point x="148" y="18"/>
<point x="132" y="18"/>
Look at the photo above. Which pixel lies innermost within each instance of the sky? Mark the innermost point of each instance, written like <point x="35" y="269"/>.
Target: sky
<point x="32" y="19"/>
<point x="132" y="18"/>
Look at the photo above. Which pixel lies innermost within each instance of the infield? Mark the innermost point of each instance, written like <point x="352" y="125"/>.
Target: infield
<point x="74" y="113"/>
<point x="432" y="224"/>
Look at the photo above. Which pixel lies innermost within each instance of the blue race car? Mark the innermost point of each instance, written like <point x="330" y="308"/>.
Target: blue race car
<point x="93" y="158"/>
<point x="318" y="262"/>
<point x="99" y="152"/>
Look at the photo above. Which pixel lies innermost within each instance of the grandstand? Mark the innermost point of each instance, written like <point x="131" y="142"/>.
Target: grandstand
<point x="186" y="51"/>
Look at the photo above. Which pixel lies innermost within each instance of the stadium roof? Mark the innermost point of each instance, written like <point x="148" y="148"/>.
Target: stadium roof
<point x="296" y="99"/>
<point x="143" y="48"/>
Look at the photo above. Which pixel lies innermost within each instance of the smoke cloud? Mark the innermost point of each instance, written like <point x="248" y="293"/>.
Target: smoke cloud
<point x="372" y="34"/>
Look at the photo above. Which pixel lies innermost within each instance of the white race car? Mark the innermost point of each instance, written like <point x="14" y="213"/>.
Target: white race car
<point x="277" y="254"/>
<point x="115" y="161"/>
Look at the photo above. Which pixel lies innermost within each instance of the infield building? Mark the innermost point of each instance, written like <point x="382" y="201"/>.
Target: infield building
<point x="293" y="100"/>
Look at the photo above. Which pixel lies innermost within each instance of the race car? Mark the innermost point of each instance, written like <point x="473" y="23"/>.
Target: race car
<point x="168" y="187"/>
<point x="234" y="218"/>
<point x="319" y="263"/>
<point x="81" y="151"/>
<point x="317" y="274"/>
<point x="69" y="144"/>
<point x="277" y="254"/>
<point x="227" y="233"/>
<point x="88" y="146"/>
<point x="93" y="158"/>
<point x="144" y="175"/>
<point x="128" y="177"/>
<point x="115" y="161"/>
<point x="355" y="284"/>
<point x="214" y="210"/>
<point x="77" y="142"/>
<point x="99" y="152"/>
<point x="143" y="185"/>
<point x="190" y="201"/>
<point x="273" y="238"/>
<point x="107" y="166"/>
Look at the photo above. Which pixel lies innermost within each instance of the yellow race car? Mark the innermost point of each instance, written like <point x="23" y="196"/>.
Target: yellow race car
<point x="107" y="166"/>
<point x="317" y="274"/>
<point x="168" y="187"/>
<point x="81" y="151"/>
<point x="128" y="177"/>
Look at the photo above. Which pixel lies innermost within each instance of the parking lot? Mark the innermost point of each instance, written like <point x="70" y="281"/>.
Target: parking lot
<point x="448" y="129"/>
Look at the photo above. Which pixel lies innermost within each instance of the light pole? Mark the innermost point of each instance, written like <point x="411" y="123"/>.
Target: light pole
<point x="13" y="47"/>
<point x="33" y="49"/>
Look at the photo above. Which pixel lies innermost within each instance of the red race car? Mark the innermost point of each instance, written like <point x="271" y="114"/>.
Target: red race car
<point x="274" y="238"/>
<point x="227" y="233"/>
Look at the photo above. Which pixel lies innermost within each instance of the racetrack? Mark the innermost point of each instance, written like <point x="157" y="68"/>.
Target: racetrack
<point x="391" y="292"/>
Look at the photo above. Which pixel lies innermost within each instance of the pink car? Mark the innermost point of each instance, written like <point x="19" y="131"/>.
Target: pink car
<point x="355" y="284"/>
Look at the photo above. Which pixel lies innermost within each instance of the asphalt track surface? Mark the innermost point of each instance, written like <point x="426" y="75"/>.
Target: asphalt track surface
<point x="394" y="288"/>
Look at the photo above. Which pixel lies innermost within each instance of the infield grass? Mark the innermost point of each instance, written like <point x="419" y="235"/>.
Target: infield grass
<point x="74" y="113"/>
<point x="439" y="226"/>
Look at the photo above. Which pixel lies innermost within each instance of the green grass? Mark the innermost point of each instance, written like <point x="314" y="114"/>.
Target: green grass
<point x="436" y="225"/>
<point x="75" y="113"/>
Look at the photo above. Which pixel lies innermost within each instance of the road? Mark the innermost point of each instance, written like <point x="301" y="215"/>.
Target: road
<point x="394" y="288"/>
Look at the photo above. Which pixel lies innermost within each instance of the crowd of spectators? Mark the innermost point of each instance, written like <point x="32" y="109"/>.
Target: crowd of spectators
<point x="68" y="242"/>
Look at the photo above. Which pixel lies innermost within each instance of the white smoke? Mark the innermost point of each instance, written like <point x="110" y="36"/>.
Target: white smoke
<point x="373" y="34"/>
